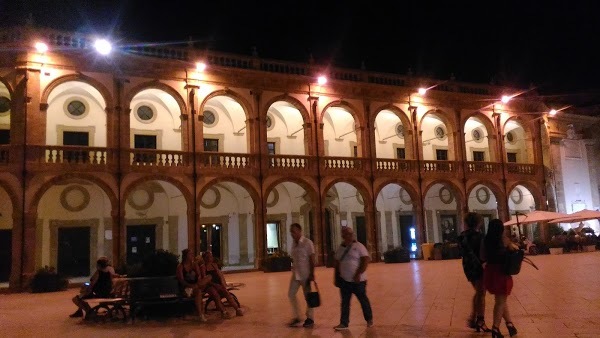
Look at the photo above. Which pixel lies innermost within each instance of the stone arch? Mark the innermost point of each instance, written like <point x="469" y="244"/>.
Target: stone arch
<point x="521" y="122"/>
<point x="346" y="105"/>
<point x="495" y="188"/>
<point x="396" y="110"/>
<point x="314" y="195"/>
<point x="14" y="200"/>
<point x="8" y="87"/>
<point x="410" y="190"/>
<point x="246" y="106"/>
<point x="182" y="187"/>
<point x="360" y="187"/>
<point x="535" y="191"/>
<point x="456" y="190"/>
<point x="106" y="95"/>
<point x="485" y="120"/>
<point x="240" y="181"/>
<point x="160" y="86"/>
<point x="488" y="124"/>
<point x="291" y="100"/>
<point x="442" y="115"/>
<point x="114" y="202"/>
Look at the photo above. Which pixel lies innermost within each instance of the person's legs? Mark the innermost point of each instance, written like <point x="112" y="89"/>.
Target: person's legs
<point x="198" y="303"/>
<point x="345" y="294"/>
<point x="506" y="313"/>
<point x="214" y="294"/>
<point x="77" y="301"/>
<point x="306" y="289"/>
<point x="499" y="305"/>
<point x="292" y="291"/>
<point x="360" y="290"/>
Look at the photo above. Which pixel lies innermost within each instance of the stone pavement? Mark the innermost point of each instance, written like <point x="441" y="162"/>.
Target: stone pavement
<point x="422" y="298"/>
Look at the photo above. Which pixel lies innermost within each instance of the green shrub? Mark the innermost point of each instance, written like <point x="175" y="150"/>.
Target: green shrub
<point x="47" y="279"/>
<point x="396" y="255"/>
<point x="278" y="261"/>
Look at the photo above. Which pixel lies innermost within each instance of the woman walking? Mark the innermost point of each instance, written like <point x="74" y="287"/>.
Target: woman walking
<point x="470" y="246"/>
<point x="495" y="247"/>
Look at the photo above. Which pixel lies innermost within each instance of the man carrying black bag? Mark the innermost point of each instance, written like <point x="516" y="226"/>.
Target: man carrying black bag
<point x="303" y="272"/>
<point x="351" y="260"/>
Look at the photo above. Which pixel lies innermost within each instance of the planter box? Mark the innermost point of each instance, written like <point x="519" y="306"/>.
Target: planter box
<point x="396" y="257"/>
<point x="589" y="248"/>
<point x="556" y="251"/>
<point x="277" y="264"/>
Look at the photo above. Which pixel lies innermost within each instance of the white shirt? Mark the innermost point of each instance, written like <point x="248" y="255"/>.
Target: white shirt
<point x="351" y="261"/>
<point x="301" y="255"/>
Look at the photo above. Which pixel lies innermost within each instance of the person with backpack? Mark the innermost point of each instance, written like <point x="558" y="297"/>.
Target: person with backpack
<point x="469" y="242"/>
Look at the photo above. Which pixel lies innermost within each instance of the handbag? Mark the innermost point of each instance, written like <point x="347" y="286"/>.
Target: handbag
<point x="512" y="266"/>
<point x="313" y="299"/>
<point x="338" y="278"/>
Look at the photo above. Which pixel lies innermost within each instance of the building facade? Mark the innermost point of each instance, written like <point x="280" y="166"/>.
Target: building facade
<point x="141" y="149"/>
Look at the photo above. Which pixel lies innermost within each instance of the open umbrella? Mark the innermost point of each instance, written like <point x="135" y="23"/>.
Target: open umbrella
<point x="578" y="216"/>
<point x="534" y="217"/>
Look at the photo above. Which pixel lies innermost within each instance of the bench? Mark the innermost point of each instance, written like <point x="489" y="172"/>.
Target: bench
<point x="132" y="297"/>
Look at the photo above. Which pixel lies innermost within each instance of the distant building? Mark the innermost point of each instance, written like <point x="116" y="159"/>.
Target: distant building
<point x="143" y="149"/>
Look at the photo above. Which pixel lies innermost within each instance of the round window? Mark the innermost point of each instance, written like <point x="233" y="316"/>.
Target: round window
<point x="145" y="113"/>
<point x="440" y="132"/>
<point x="477" y="134"/>
<point x="4" y="104"/>
<point x="510" y="137"/>
<point x="269" y="122"/>
<point x="400" y="130"/>
<point x="209" y="118"/>
<point x="76" y="108"/>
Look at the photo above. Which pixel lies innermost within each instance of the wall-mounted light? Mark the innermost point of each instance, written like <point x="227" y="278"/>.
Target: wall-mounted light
<point x="321" y="80"/>
<point x="41" y="47"/>
<point x="103" y="47"/>
<point x="505" y="98"/>
<point x="200" y="66"/>
<point x="552" y="112"/>
<point x="422" y="91"/>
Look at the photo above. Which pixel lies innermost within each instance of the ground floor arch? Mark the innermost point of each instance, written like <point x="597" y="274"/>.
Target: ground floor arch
<point x="443" y="213"/>
<point x="227" y="225"/>
<point x="6" y="235"/>
<point x="521" y="201"/>
<point x="396" y="219"/>
<point x="483" y="201"/>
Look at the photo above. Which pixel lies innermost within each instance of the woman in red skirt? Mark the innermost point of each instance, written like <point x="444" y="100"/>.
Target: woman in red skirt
<point x="496" y="281"/>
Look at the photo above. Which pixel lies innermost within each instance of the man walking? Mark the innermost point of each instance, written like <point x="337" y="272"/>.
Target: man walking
<point x="303" y="272"/>
<point x="351" y="260"/>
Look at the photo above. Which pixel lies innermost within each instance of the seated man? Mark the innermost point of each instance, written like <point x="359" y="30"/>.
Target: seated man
<point x="100" y="286"/>
<point x="217" y="288"/>
<point x="189" y="276"/>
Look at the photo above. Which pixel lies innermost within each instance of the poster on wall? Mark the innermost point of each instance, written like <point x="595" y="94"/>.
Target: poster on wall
<point x="448" y="227"/>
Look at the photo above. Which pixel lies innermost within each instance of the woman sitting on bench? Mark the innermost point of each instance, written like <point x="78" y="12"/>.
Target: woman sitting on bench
<point x="217" y="288"/>
<point x="100" y="286"/>
<point x="189" y="276"/>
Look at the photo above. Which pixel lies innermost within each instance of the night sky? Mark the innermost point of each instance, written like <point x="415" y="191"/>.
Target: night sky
<point x="550" y="44"/>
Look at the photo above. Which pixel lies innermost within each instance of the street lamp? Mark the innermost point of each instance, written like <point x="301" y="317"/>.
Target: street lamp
<point x="422" y="91"/>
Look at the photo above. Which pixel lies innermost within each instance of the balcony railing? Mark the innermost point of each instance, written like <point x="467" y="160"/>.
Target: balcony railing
<point x="227" y="160"/>
<point x="393" y="165"/>
<point x="343" y="165"/>
<point x="159" y="158"/>
<point x="483" y="167"/>
<point x="520" y="168"/>
<point x="439" y="166"/>
<point x="292" y="163"/>
<point x="4" y="154"/>
<point x="72" y="155"/>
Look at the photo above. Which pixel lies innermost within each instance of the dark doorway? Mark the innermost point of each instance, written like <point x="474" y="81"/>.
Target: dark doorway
<point x="74" y="251"/>
<point x="141" y="241"/>
<point x="311" y="228"/>
<point x="210" y="239"/>
<point x="328" y="241"/>
<point x="5" y="254"/>
<point x="145" y="142"/>
<point x="361" y="229"/>
<point x="4" y="136"/>
<point x="405" y="222"/>
<point x="77" y="139"/>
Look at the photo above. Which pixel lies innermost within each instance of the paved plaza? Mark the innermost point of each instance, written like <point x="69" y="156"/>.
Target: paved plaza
<point x="422" y="298"/>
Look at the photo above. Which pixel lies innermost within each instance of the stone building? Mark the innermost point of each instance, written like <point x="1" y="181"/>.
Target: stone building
<point x="171" y="148"/>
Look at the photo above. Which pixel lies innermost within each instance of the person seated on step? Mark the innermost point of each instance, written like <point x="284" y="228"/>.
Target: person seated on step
<point x="217" y="288"/>
<point x="191" y="281"/>
<point x="100" y="286"/>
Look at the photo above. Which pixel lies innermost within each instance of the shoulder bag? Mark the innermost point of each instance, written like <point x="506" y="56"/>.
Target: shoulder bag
<point x="338" y="278"/>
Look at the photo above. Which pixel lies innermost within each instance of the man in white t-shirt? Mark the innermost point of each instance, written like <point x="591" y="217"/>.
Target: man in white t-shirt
<point x="303" y="272"/>
<point x="351" y="260"/>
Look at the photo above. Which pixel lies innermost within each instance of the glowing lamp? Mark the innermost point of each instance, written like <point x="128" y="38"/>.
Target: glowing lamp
<point x="505" y="99"/>
<point x="552" y="112"/>
<point x="41" y="47"/>
<point x="422" y="91"/>
<point x="200" y="66"/>
<point x="103" y="46"/>
<point x="321" y="80"/>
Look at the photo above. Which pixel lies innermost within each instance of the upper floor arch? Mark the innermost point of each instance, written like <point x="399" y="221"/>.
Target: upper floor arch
<point x="392" y="131"/>
<point x="437" y="135"/>
<point x="98" y="86"/>
<point x="156" y="86"/>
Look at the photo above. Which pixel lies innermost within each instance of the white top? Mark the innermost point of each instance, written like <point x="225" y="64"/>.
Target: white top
<point x="301" y="253"/>
<point x="351" y="261"/>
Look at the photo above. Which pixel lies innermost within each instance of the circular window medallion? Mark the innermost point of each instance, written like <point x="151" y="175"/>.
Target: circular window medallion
<point x="477" y="134"/>
<point x="209" y="118"/>
<point x="141" y="199"/>
<point x="4" y="104"/>
<point x="359" y="198"/>
<point x="404" y="197"/>
<point x="446" y="195"/>
<point x="270" y="122"/>
<point x="516" y="196"/>
<point x="76" y="108"/>
<point x="440" y="132"/>
<point x="400" y="130"/>
<point x="510" y="137"/>
<point x="74" y="198"/>
<point x="211" y="198"/>
<point x="273" y="198"/>
<point x="145" y="113"/>
<point x="483" y="195"/>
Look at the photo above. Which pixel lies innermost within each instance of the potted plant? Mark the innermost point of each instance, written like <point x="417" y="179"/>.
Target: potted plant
<point x="278" y="261"/>
<point x="556" y="247"/>
<point x="588" y="243"/>
<point x="396" y="255"/>
<point x="47" y="279"/>
<point x="541" y="247"/>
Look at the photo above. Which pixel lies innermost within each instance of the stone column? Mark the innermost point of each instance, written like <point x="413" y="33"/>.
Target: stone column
<point x="30" y="247"/>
